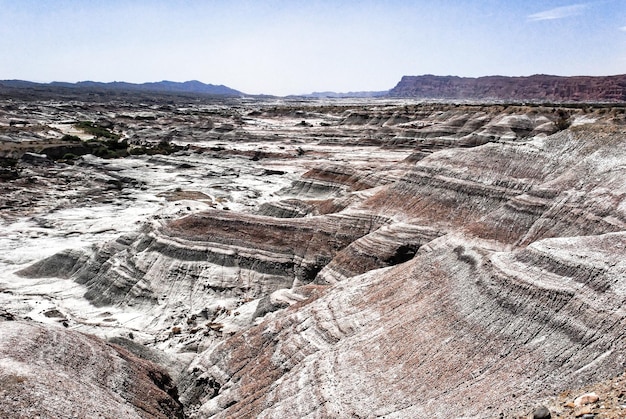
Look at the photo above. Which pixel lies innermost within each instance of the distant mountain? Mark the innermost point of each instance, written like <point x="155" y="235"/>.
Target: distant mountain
<point x="19" y="84"/>
<point x="193" y="86"/>
<point x="321" y="95"/>
<point x="537" y="87"/>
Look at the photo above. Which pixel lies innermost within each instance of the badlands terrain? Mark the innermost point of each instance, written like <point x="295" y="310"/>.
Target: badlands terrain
<point x="171" y="256"/>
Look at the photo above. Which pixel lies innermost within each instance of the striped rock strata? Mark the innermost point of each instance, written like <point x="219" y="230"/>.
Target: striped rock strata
<point x="514" y="294"/>
<point x="459" y="282"/>
<point x="51" y="372"/>
<point x="459" y="331"/>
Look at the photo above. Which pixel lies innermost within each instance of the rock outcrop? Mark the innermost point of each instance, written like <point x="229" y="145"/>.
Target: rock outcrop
<point x="555" y="186"/>
<point x="538" y="87"/>
<point x="51" y="372"/>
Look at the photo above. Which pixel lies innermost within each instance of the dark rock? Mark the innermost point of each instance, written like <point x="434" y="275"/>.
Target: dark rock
<point x="266" y="305"/>
<point x="5" y="315"/>
<point x="62" y="264"/>
<point x="541" y="412"/>
<point x="54" y="313"/>
<point x="402" y="254"/>
<point x="270" y="172"/>
<point x="35" y="158"/>
<point x="8" y="168"/>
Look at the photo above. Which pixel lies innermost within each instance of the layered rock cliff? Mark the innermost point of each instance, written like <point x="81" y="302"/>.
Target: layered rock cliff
<point x="538" y="87"/>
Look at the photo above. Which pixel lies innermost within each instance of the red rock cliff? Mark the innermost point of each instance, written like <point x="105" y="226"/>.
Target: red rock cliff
<point x="536" y="87"/>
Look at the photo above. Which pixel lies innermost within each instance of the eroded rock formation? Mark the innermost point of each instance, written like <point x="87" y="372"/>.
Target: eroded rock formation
<point x="457" y="331"/>
<point x="514" y="294"/>
<point x="342" y="260"/>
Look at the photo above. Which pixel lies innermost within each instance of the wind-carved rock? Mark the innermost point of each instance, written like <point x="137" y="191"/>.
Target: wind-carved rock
<point x="389" y="245"/>
<point x="515" y="193"/>
<point x="329" y="188"/>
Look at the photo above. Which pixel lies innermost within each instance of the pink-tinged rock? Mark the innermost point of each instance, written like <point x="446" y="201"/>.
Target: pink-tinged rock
<point x="585" y="399"/>
<point x="46" y="371"/>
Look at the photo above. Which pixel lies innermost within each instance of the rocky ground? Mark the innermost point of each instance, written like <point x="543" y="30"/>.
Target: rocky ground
<point x="275" y="258"/>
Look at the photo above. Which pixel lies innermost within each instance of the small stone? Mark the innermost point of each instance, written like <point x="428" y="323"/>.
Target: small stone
<point x="541" y="412"/>
<point x="585" y="410"/>
<point x="585" y="399"/>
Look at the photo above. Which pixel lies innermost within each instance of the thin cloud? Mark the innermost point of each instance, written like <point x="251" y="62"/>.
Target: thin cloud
<point x="623" y="29"/>
<point x="558" y="12"/>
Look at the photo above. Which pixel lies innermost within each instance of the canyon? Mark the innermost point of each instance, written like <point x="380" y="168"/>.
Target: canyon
<point x="265" y="257"/>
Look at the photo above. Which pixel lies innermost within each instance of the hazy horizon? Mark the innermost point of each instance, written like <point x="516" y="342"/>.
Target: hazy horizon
<point x="295" y="47"/>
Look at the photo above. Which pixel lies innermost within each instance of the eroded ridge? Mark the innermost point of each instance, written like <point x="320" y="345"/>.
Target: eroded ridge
<point x="456" y="331"/>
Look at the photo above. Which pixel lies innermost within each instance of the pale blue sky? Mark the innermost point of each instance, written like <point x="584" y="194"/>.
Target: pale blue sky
<point x="290" y="47"/>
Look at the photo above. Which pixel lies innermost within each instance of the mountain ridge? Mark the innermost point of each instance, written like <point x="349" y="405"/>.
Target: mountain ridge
<point x="536" y="87"/>
<point x="164" y="86"/>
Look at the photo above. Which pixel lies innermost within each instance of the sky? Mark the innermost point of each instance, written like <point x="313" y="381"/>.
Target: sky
<point x="283" y="47"/>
